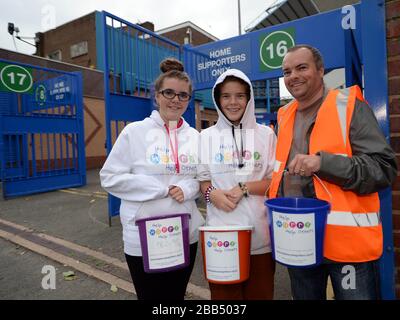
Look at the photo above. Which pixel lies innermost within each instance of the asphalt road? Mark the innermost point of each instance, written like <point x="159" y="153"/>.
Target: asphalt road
<point x="91" y="248"/>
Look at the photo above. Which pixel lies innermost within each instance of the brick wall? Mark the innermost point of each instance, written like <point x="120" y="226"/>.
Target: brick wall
<point x="393" y="53"/>
<point x="68" y="34"/>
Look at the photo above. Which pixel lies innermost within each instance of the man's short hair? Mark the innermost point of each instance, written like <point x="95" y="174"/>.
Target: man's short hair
<point x="319" y="61"/>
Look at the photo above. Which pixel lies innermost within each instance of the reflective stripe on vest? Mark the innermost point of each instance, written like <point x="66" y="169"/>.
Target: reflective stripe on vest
<point x="346" y="218"/>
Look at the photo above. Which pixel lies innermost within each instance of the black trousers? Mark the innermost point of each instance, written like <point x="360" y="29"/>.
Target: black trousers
<point x="160" y="286"/>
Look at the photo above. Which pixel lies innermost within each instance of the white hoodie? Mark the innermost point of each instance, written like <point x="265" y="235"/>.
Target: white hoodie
<point x="139" y="170"/>
<point x="220" y="166"/>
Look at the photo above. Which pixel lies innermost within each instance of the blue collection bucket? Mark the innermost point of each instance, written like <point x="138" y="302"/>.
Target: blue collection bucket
<point x="297" y="229"/>
<point x="164" y="241"/>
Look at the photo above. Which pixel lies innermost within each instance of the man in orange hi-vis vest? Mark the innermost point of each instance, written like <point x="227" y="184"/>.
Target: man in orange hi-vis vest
<point x="334" y="135"/>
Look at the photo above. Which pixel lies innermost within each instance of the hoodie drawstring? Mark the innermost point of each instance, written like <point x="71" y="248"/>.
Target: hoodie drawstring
<point x="174" y="150"/>
<point x="240" y="154"/>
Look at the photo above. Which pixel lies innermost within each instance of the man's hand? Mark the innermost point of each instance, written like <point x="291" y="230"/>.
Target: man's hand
<point x="219" y="198"/>
<point x="305" y="165"/>
<point x="176" y="193"/>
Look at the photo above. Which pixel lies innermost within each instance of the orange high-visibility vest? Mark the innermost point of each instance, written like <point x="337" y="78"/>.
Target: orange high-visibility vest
<point x="353" y="232"/>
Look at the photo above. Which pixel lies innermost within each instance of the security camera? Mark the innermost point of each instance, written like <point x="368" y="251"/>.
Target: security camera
<point x="12" y="28"/>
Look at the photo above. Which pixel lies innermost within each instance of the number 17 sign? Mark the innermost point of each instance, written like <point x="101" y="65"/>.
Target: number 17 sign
<point x="15" y="78"/>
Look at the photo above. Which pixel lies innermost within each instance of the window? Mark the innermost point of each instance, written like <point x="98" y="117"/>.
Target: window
<point x="55" y="55"/>
<point x="79" y="49"/>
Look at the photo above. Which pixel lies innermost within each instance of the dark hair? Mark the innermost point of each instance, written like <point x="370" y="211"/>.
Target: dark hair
<point x="172" y="68"/>
<point x="318" y="60"/>
<point x="217" y="90"/>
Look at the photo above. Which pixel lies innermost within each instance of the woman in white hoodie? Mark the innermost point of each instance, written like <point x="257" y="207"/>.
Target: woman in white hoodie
<point x="237" y="163"/>
<point x="154" y="163"/>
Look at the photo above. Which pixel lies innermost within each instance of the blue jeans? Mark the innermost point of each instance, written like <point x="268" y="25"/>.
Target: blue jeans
<point x="350" y="281"/>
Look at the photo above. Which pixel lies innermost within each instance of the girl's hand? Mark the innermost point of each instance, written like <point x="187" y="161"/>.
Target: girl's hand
<point x="176" y="193"/>
<point x="235" y="194"/>
<point x="219" y="198"/>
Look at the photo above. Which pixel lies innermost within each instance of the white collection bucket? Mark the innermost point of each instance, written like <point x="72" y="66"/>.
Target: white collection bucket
<point x="226" y="253"/>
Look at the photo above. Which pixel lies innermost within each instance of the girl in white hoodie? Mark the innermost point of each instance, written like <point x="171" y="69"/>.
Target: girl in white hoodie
<point x="153" y="163"/>
<point x="236" y="166"/>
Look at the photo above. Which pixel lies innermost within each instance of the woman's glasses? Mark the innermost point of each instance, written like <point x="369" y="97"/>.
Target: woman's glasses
<point x="171" y="94"/>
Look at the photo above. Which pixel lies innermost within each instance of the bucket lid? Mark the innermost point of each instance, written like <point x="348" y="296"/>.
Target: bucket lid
<point x="226" y="228"/>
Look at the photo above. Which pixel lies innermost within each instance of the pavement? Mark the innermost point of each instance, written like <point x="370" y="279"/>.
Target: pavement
<point x="42" y="236"/>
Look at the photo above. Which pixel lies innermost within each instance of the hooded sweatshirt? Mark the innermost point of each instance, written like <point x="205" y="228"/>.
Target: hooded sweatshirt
<point x="222" y="165"/>
<point x="142" y="166"/>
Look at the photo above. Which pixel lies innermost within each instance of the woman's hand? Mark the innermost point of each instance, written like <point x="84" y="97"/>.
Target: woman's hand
<point x="219" y="198"/>
<point x="176" y="193"/>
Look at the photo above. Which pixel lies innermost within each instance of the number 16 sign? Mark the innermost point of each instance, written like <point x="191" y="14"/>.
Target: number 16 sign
<point x="273" y="48"/>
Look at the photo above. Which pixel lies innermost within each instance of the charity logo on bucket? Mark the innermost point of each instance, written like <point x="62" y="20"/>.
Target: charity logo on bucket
<point x="294" y="238"/>
<point x="218" y="244"/>
<point x="221" y="249"/>
<point x="292" y="224"/>
<point x="288" y="224"/>
<point x="163" y="245"/>
<point x="159" y="229"/>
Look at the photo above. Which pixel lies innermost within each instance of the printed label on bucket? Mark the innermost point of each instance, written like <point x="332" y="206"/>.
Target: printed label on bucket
<point x="165" y="243"/>
<point x="294" y="238"/>
<point x="222" y="256"/>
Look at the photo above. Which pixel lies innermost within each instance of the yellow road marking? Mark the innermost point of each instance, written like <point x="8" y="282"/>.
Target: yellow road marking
<point x="86" y="194"/>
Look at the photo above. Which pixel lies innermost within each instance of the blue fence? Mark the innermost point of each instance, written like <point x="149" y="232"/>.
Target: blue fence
<point x="41" y="133"/>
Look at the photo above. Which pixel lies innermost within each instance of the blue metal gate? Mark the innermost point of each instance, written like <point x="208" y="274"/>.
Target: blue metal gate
<point x="41" y="131"/>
